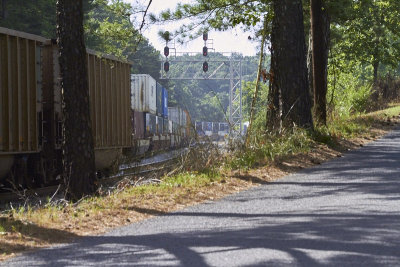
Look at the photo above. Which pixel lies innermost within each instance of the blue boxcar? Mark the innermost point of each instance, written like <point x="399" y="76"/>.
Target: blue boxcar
<point x="159" y="105"/>
<point x="207" y="126"/>
<point x="164" y="103"/>
<point x="215" y="128"/>
<point x="199" y="127"/>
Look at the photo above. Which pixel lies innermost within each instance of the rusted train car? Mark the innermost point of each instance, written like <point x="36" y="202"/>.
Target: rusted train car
<point x="31" y="114"/>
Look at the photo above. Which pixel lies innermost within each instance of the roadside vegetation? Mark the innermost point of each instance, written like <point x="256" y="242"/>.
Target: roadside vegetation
<point x="360" y="90"/>
<point x="202" y="175"/>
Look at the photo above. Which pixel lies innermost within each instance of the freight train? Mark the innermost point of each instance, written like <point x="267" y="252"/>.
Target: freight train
<point x="129" y="112"/>
<point x="216" y="131"/>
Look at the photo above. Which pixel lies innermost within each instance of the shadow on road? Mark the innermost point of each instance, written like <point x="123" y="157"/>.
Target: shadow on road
<point x="341" y="213"/>
<point x="339" y="236"/>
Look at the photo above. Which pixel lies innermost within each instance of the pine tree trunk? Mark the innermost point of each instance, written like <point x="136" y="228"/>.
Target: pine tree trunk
<point x="320" y="28"/>
<point x="309" y="67"/>
<point x="289" y="67"/>
<point x="78" y="149"/>
<point x="376" y="67"/>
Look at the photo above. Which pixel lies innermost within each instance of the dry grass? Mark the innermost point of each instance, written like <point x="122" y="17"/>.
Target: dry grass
<point x="22" y="230"/>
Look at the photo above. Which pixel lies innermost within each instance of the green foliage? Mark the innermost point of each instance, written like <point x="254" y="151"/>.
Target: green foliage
<point x="191" y="179"/>
<point x="348" y="93"/>
<point x="165" y="35"/>
<point x="206" y="100"/>
<point x="110" y="29"/>
<point x="35" y="17"/>
<point x="371" y="36"/>
<point x="248" y="89"/>
<point x="266" y="147"/>
<point x="220" y="15"/>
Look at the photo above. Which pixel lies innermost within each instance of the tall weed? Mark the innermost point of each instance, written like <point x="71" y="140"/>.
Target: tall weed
<point x="266" y="147"/>
<point x="348" y="95"/>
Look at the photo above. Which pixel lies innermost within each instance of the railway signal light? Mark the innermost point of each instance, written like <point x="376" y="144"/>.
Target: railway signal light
<point x="205" y="36"/>
<point x="166" y="66"/>
<point x="205" y="66"/>
<point x="166" y="51"/>
<point x="205" y="51"/>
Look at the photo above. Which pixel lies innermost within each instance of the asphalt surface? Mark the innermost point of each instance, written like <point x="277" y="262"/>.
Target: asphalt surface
<point x="345" y="212"/>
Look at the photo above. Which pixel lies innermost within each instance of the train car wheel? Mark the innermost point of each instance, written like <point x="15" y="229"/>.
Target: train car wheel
<point x="37" y="170"/>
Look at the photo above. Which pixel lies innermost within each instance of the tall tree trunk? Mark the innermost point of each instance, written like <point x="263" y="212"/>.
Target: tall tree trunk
<point x="376" y="67"/>
<point x="309" y="67"/>
<point x="289" y="66"/>
<point x="78" y="149"/>
<point x="320" y="28"/>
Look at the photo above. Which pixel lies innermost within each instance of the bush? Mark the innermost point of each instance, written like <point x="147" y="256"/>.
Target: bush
<point x="348" y="95"/>
<point x="386" y="89"/>
<point x="265" y="146"/>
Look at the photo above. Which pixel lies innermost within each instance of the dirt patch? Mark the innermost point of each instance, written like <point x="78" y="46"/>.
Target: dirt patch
<point x="20" y="234"/>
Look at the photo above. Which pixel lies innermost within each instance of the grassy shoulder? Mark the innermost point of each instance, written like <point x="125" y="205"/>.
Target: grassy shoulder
<point x="29" y="228"/>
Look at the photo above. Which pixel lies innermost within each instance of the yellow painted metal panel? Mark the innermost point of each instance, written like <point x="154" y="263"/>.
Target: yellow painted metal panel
<point x="109" y="87"/>
<point x="128" y="114"/>
<point x="114" y="90"/>
<point x="36" y="92"/>
<point x="109" y="105"/>
<point x="98" y="101"/>
<point x="31" y="96"/>
<point x="3" y="85"/>
<point x="92" y="94"/>
<point x="104" y="104"/>
<point x="119" y="101"/>
<point x="24" y="70"/>
<point x="12" y="91"/>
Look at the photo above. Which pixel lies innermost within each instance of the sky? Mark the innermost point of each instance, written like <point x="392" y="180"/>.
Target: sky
<point x="230" y="41"/>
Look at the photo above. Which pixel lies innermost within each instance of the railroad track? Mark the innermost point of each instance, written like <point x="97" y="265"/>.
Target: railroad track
<point x="134" y="171"/>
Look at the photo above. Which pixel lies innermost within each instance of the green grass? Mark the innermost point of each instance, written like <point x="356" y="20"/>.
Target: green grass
<point x="20" y="223"/>
<point x="263" y="148"/>
<point x="266" y="147"/>
<point x="191" y="179"/>
<point x="393" y="110"/>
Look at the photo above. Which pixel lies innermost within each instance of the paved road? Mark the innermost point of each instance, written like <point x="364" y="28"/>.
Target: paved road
<point x="345" y="212"/>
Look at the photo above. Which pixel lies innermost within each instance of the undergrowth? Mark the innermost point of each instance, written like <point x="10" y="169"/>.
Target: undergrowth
<point x="201" y="167"/>
<point x="266" y="147"/>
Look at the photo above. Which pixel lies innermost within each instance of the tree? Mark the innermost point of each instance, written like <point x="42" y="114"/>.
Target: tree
<point x="36" y="17"/>
<point x="320" y="32"/>
<point x="109" y="29"/>
<point x="78" y="148"/>
<point x="289" y="101"/>
<point x="372" y="35"/>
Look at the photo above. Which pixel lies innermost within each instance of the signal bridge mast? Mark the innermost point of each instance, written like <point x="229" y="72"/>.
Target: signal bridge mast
<point x="230" y="69"/>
